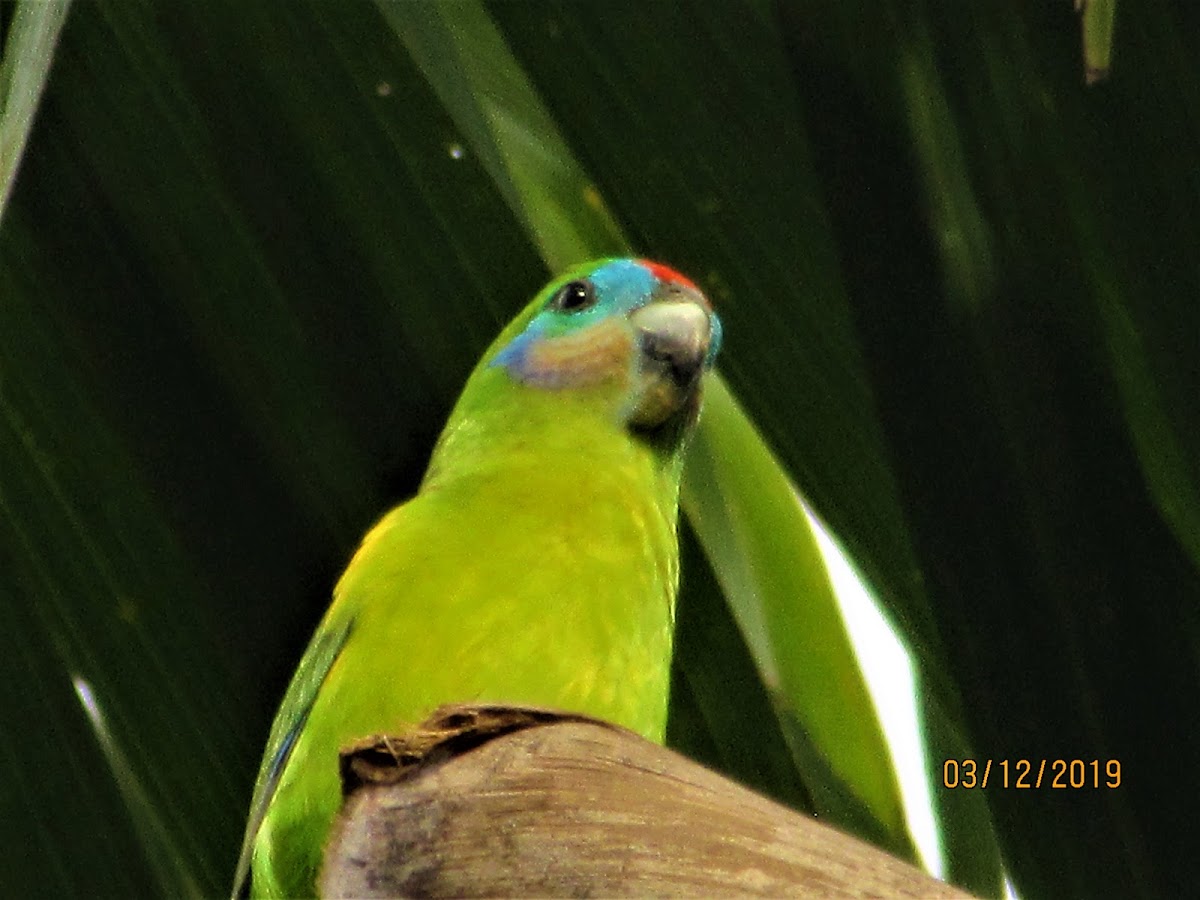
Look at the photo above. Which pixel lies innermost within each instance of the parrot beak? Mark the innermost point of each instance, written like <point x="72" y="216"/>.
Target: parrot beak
<point x="678" y="335"/>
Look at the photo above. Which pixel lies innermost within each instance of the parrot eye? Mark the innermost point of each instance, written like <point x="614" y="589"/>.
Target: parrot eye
<point x="573" y="297"/>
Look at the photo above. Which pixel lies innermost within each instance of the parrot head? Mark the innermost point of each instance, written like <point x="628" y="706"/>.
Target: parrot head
<point x="607" y="357"/>
<point x="632" y="332"/>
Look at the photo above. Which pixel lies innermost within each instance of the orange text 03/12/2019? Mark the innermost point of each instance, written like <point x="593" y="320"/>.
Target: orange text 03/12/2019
<point x="1028" y="774"/>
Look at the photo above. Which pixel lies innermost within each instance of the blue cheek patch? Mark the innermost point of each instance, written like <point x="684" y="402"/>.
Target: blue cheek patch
<point x="513" y="355"/>
<point x="552" y="351"/>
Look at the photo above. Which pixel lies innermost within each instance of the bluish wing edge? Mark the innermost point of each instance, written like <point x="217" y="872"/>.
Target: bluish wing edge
<point x="301" y="694"/>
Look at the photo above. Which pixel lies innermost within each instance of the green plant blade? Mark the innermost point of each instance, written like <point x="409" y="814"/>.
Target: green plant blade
<point x="24" y="68"/>
<point x="1099" y="18"/>
<point x="765" y="555"/>
<point x="466" y="61"/>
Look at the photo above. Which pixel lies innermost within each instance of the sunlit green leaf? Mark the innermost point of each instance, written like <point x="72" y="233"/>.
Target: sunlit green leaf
<point x="24" y="67"/>
<point x="765" y="556"/>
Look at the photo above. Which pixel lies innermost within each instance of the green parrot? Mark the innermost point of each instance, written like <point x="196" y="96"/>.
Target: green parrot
<point x="537" y="564"/>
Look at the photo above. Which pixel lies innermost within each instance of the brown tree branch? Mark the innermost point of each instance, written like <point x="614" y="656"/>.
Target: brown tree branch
<point x="504" y="801"/>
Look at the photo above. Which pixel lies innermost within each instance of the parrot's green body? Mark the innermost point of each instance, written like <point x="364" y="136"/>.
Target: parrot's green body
<point x="537" y="564"/>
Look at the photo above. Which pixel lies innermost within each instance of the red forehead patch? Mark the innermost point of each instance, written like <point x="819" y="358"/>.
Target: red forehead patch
<point x="666" y="273"/>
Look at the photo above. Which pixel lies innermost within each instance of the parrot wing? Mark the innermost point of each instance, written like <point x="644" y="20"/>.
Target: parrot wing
<point x="298" y="702"/>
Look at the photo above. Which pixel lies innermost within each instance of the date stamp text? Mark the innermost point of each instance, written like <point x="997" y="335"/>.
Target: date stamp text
<point x="1029" y="774"/>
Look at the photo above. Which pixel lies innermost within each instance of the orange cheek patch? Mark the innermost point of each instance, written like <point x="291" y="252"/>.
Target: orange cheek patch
<point x="599" y="353"/>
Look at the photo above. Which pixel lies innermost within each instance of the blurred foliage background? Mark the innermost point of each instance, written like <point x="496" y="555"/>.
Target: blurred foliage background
<point x="250" y="253"/>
